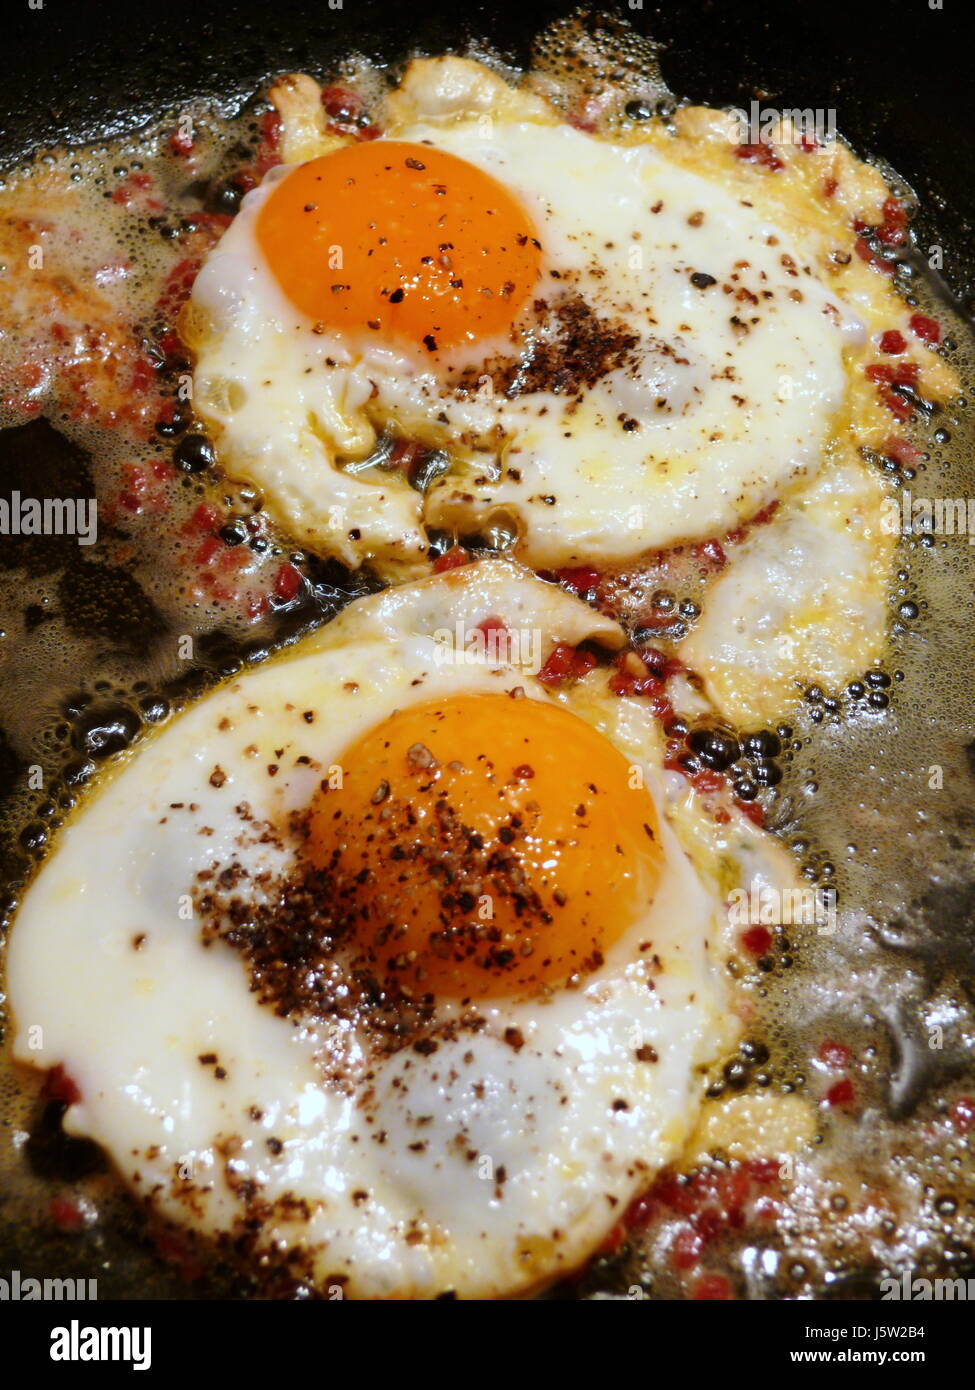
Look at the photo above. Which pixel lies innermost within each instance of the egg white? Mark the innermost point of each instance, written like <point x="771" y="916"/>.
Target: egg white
<point x="726" y="405"/>
<point x="108" y="977"/>
<point x="805" y="598"/>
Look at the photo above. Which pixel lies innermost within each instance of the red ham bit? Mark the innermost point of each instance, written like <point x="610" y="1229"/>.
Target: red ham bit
<point x="181" y="143"/>
<point x="580" y="579"/>
<point x="177" y="285"/>
<point x="928" y="330"/>
<point x="840" y="1096"/>
<point x="757" y="941"/>
<point x="893" y="229"/>
<point x="586" y="112"/>
<point x="451" y="559"/>
<point x="752" y="810"/>
<point x="565" y="662"/>
<point x="834" y="1054"/>
<point x="765" y="515"/>
<point x="708" y="781"/>
<point x="341" y="104"/>
<point x="344" y="108"/>
<point x="657" y="620"/>
<point x="866" y="253"/>
<point x="134" y="193"/>
<point x="763" y="1171"/>
<point x="893" y="342"/>
<point x="901" y="410"/>
<point x="686" y="1250"/>
<point x="406" y="454"/>
<point x="58" y="1085"/>
<point x="760" y="154"/>
<point x="709" y="1202"/>
<point x="489" y="625"/>
<point x="712" y="1288"/>
<point x="267" y="156"/>
<point x="204" y="518"/>
<point x="901" y="450"/>
<point x="287" y="582"/>
<point x="628" y="682"/>
<point x="893" y="373"/>
<point x="711" y="551"/>
<point x="644" y="674"/>
<point x="65" y="1215"/>
<point x="208" y="551"/>
<point x="271" y="135"/>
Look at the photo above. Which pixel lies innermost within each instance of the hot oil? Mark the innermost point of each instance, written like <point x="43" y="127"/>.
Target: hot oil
<point x="139" y="607"/>
<point x="875" y="801"/>
<point x="103" y="643"/>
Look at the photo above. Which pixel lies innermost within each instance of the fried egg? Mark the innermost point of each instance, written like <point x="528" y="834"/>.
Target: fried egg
<point x="614" y="352"/>
<point x="383" y="964"/>
<point x="805" y="598"/>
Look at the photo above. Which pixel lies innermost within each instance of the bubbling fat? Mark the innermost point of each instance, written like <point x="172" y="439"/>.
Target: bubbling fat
<point x="861" y="803"/>
<point x="101" y="642"/>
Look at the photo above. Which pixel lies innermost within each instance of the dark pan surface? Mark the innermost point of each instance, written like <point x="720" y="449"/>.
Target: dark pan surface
<point x="893" y="73"/>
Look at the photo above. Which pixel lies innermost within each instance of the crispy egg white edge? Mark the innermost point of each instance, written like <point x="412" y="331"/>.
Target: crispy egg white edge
<point x="129" y="1028"/>
<point x="805" y="599"/>
<point x="255" y="340"/>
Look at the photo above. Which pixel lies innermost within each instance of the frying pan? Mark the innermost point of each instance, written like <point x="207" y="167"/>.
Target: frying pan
<point x="76" y="72"/>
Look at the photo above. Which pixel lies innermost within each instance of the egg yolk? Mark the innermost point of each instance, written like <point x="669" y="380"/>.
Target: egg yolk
<point x="402" y="240"/>
<point x="483" y="846"/>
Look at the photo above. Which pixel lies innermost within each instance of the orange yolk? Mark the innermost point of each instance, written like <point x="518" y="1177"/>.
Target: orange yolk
<point x="402" y="240"/>
<point x="482" y="846"/>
